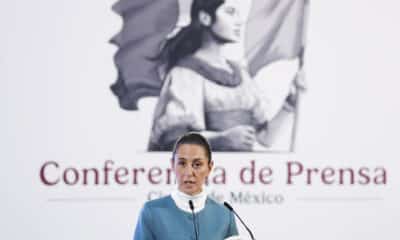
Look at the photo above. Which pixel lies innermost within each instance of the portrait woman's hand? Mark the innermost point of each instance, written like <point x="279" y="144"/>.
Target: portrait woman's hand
<point x="240" y="138"/>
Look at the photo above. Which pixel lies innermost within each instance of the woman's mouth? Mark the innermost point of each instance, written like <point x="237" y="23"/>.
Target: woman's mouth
<point x="189" y="182"/>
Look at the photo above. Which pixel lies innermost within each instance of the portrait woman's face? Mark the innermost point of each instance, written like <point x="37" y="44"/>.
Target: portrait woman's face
<point x="228" y="22"/>
<point x="191" y="166"/>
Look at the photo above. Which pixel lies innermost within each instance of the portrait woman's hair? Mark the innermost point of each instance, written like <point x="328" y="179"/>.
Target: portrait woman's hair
<point x="193" y="138"/>
<point x="190" y="38"/>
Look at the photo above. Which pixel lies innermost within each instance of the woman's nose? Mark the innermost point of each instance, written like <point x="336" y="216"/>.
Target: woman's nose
<point x="239" y="19"/>
<point x="189" y="171"/>
<point x="238" y="23"/>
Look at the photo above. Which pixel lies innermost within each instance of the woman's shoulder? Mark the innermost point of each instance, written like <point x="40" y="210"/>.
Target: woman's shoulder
<point x="182" y="72"/>
<point x="158" y="203"/>
<point x="184" y="78"/>
<point x="216" y="206"/>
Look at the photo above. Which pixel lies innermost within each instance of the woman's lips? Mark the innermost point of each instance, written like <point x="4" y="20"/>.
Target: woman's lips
<point x="189" y="182"/>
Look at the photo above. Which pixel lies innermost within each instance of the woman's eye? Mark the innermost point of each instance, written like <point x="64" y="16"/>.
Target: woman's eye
<point x="230" y="11"/>
<point x="197" y="165"/>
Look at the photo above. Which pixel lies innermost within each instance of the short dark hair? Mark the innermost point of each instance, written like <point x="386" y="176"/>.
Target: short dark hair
<point x="193" y="138"/>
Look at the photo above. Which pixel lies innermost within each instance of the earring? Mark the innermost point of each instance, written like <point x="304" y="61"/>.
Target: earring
<point x="204" y="18"/>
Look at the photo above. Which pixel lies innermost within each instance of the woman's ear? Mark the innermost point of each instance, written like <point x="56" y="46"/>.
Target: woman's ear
<point x="173" y="164"/>
<point x="210" y="165"/>
<point x="204" y="18"/>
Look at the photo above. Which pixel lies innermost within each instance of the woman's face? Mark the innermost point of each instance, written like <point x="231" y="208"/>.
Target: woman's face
<point x="228" y="22"/>
<point x="191" y="167"/>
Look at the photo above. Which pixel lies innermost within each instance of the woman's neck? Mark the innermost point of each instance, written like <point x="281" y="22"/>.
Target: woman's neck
<point x="211" y="52"/>
<point x="182" y="200"/>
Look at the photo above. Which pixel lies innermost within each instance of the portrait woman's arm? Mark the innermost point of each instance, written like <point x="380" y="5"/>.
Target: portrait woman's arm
<point x="238" y="138"/>
<point x="180" y="108"/>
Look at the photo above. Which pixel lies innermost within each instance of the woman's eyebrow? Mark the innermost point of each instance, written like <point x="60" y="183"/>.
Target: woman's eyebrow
<point x="186" y="159"/>
<point x="198" y="159"/>
<point x="230" y="9"/>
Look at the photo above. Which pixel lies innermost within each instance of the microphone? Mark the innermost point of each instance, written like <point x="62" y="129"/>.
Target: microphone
<point x="228" y="206"/>
<point x="194" y="219"/>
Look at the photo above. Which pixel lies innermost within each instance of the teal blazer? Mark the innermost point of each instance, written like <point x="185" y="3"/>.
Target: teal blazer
<point x="161" y="219"/>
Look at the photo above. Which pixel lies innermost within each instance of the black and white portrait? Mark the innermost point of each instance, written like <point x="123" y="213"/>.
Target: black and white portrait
<point x="230" y="69"/>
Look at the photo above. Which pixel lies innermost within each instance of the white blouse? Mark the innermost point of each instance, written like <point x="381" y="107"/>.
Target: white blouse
<point x="191" y="101"/>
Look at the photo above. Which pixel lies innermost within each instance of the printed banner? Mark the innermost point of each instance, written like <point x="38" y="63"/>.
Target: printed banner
<point x="297" y="98"/>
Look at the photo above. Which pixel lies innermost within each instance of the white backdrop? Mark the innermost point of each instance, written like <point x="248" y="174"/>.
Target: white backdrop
<point x="55" y="70"/>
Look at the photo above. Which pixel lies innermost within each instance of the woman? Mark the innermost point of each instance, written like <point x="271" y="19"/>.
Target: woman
<point x="202" y="90"/>
<point x="172" y="217"/>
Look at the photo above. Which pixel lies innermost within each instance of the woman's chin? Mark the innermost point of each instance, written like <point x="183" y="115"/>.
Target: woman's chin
<point x="190" y="190"/>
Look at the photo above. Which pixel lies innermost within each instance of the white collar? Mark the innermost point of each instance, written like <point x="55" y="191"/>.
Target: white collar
<point x="182" y="200"/>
